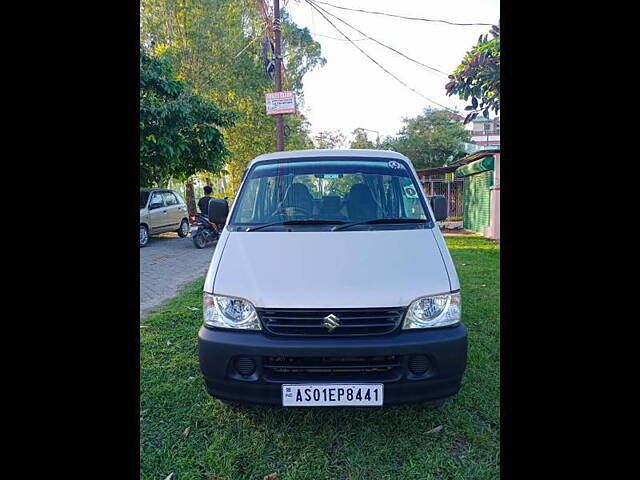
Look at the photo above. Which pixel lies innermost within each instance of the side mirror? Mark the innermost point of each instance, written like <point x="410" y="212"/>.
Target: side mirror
<point x="218" y="210"/>
<point x="439" y="207"/>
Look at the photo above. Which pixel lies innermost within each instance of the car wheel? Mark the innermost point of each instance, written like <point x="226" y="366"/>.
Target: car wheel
<point x="144" y="236"/>
<point x="183" y="231"/>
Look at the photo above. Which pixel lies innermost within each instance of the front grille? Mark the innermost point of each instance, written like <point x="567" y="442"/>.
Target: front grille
<point x="331" y="364"/>
<point x="382" y="367"/>
<point x="309" y="322"/>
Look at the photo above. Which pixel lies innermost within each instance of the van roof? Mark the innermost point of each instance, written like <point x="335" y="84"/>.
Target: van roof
<point x="329" y="153"/>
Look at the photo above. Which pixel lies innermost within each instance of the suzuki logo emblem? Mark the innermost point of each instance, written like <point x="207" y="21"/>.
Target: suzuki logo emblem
<point x="331" y="322"/>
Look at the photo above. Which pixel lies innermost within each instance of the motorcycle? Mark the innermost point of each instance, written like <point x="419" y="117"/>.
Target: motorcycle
<point x="203" y="232"/>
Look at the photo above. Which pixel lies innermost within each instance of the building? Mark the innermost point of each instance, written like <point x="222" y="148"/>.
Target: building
<point x="485" y="132"/>
<point x="481" y="174"/>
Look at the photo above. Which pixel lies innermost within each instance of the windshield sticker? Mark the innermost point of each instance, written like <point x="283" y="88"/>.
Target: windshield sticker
<point x="394" y="164"/>
<point x="410" y="192"/>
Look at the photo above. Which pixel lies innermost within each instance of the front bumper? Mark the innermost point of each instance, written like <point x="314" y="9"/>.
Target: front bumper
<point x="446" y="349"/>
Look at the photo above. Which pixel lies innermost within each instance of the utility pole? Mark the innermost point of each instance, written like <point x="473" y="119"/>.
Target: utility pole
<point x="278" y="77"/>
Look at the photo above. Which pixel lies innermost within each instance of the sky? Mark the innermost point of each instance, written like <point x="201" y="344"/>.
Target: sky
<point x="350" y="91"/>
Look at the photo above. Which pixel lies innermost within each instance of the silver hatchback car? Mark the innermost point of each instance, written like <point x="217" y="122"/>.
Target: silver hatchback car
<point x="162" y="211"/>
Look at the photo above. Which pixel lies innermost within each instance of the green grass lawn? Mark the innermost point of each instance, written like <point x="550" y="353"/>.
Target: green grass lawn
<point x="234" y="443"/>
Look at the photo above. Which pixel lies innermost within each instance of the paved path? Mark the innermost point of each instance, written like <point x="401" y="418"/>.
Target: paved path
<point x="168" y="263"/>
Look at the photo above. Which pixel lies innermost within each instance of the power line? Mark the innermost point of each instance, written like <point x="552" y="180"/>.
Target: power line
<point x="409" y="18"/>
<point x="314" y="34"/>
<point x="445" y="75"/>
<point x="374" y="61"/>
<point x="340" y="39"/>
<point x="248" y="44"/>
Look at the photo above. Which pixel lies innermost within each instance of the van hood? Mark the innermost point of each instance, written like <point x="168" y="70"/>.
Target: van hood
<point x="383" y="268"/>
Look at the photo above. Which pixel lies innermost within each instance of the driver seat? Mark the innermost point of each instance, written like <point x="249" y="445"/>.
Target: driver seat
<point x="297" y="195"/>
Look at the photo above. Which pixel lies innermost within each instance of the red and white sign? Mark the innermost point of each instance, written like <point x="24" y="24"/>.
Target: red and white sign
<point x="280" y="102"/>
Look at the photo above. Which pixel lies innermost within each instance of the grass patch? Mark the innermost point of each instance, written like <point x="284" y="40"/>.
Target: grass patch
<point x="234" y="443"/>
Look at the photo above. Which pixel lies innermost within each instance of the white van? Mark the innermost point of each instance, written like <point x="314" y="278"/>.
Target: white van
<point x="331" y="285"/>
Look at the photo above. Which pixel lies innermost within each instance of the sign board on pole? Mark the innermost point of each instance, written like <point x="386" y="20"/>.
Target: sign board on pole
<point x="280" y="102"/>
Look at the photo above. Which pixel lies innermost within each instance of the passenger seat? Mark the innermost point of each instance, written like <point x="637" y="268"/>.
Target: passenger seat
<point x="361" y="204"/>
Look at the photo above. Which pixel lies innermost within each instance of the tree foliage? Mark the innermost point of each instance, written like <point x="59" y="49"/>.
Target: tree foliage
<point x="329" y="139"/>
<point x="300" y="51"/>
<point x="179" y="130"/>
<point x="478" y="77"/>
<point x="218" y="48"/>
<point x="430" y="140"/>
<point x="360" y="140"/>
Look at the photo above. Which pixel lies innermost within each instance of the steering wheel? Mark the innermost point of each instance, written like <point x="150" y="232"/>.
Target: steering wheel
<point x="293" y="210"/>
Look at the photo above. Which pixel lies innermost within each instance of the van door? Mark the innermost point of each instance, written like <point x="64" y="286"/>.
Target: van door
<point x="157" y="213"/>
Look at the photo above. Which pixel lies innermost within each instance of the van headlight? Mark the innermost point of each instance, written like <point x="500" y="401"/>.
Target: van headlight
<point x="433" y="311"/>
<point x="229" y="312"/>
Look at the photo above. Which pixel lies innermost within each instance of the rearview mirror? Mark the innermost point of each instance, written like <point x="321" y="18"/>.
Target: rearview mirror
<point x="439" y="207"/>
<point x="218" y="210"/>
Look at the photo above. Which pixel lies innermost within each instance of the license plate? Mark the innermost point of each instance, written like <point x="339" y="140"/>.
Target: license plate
<point x="332" y="395"/>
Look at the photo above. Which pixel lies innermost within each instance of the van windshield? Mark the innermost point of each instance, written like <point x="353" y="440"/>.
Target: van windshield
<point x="325" y="192"/>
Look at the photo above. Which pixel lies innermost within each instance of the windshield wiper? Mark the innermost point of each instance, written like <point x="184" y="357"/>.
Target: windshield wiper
<point x="380" y="221"/>
<point x="295" y="222"/>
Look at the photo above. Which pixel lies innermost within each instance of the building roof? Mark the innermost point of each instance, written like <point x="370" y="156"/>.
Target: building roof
<point x="459" y="163"/>
<point x="425" y="172"/>
<point x="480" y="118"/>
<point x="475" y="156"/>
<point x="482" y="165"/>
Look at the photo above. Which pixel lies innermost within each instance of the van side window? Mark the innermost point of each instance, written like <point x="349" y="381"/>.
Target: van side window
<point x="245" y="215"/>
<point x="410" y="203"/>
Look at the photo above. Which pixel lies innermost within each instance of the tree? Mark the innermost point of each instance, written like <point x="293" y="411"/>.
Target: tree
<point x="298" y="134"/>
<point x="478" y="77"/>
<point x="179" y="130"/>
<point x="432" y="139"/>
<point x="360" y="140"/>
<point x="329" y="139"/>
<point x="219" y="48"/>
